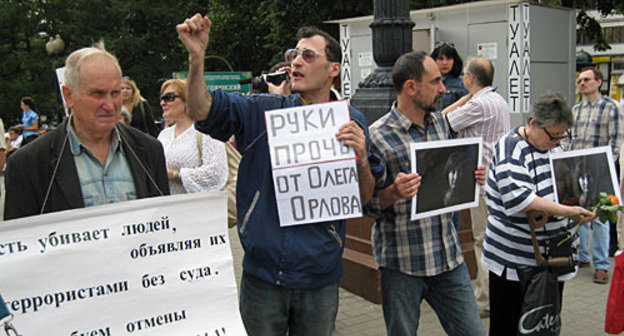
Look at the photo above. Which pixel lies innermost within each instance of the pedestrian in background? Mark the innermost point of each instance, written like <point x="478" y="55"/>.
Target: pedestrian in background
<point x="138" y="108"/>
<point x="195" y="161"/>
<point x="30" y="120"/>
<point x="450" y="64"/>
<point x="599" y="121"/>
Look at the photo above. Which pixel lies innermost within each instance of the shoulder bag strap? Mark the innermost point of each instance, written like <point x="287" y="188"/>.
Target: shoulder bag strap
<point x="199" y="146"/>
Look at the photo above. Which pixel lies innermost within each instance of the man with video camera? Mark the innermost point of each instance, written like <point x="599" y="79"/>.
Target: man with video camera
<point x="290" y="274"/>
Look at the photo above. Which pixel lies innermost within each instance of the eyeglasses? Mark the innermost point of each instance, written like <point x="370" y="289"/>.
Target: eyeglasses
<point x="168" y="97"/>
<point x="565" y="135"/>
<point x="586" y="79"/>
<point x="308" y="55"/>
<point x="441" y="44"/>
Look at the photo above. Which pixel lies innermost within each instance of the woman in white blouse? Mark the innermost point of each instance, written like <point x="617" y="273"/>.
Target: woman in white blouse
<point x="195" y="161"/>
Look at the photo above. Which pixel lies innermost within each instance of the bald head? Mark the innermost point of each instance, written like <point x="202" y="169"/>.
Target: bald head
<point x="482" y="69"/>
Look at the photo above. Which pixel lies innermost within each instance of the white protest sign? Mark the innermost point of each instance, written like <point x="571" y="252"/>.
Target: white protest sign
<point x="158" y="266"/>
<point x="314" y="174"/>
<point x="60" y="76"/>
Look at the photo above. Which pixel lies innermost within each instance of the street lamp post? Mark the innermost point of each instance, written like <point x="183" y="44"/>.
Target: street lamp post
<point x="54" y="47"/>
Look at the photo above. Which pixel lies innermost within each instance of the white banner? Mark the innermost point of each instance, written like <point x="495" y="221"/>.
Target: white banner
<point x="159" y="266"/>
<point x="314" y="174"/>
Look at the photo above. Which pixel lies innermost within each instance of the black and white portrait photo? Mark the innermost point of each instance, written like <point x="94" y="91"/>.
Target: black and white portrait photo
<point x="581" y="175"/>
<point x="447" y="170"/>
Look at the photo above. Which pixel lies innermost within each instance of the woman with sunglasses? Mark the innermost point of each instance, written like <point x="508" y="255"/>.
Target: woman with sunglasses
<point x="450" y="65"/>
<point x="195" y="161"/>
<point x="138" y="108"/>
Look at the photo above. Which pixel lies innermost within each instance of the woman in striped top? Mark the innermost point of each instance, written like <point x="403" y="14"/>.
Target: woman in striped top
<point x="519" y="180"/>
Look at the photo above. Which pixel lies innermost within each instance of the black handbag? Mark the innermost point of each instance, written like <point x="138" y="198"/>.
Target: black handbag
<point x="541" y="301"/>
<point x="560" y="247"/>
<point x="541" y="309"/>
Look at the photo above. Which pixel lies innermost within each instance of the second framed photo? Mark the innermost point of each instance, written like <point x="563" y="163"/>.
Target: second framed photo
<point x="581" y="175"/>
<point x="447" y="169"/>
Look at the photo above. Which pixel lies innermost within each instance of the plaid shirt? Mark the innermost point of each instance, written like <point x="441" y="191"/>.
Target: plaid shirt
<point x="111" y="183"/>
<point x="598" y="123"/>
<point x="424" y="247"/>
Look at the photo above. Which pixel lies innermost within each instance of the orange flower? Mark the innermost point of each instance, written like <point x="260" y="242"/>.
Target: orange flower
<point x="614" y="199"/>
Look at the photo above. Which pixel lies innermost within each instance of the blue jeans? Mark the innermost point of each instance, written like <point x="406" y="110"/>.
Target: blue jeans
<point x="600" y="244"/>
<point x="449" y="294"/>
<point x="270" y="310"/>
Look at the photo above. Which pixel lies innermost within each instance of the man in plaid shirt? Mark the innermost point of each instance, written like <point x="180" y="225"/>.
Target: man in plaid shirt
<point x="598" y="122"/>
<point x="419" y="259"/>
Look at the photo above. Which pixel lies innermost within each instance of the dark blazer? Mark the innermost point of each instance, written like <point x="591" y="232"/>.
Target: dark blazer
<point x="30" y="169"/>
<point x="143" y="119"/>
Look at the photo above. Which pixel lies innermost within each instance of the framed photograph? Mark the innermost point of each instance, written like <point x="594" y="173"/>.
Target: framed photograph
<point x="447" y="169"/>
<point x="581" y="175"/>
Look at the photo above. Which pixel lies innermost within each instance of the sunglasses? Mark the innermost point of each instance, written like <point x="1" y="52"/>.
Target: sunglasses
<point x="168" y="97"/>
<point x="565" y="135"/>
<point x="441" y="44"/>
<point x="308" y="55"/>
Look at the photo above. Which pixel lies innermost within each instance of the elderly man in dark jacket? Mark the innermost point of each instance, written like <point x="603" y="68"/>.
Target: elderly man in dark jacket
<point x="90" y="159"/>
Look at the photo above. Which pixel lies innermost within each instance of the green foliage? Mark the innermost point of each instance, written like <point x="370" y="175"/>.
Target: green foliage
<point x="252" y="35"/>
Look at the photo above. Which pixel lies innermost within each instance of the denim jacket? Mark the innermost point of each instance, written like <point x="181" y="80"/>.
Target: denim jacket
<point x="297" y="257"/>
<point x="454" y="90"/>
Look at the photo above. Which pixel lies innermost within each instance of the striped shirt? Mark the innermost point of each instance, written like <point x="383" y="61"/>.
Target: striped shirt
<point x="598" y="123"/>
<point x="518" y="174"/>
<point x="424" y="247"/>
<point x="102" y="184"/>
<point x="485" y="115"/>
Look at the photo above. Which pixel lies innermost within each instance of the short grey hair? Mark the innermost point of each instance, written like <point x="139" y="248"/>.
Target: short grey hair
<point x="74" y="62"/>
<point x="551" y="109"/>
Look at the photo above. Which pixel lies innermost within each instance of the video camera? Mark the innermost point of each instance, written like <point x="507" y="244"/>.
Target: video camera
<point x="259" y="83"/>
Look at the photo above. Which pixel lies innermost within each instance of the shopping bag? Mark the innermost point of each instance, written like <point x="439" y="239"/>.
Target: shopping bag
<point x="541" y="307"/>
<point x="614" y="321"/>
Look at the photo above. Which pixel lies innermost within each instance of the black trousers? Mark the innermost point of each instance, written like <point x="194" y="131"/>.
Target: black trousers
<point x="506" y="304"/>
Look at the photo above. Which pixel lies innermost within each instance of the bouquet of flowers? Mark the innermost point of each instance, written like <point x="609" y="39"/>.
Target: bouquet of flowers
<point x="607" y="207"/>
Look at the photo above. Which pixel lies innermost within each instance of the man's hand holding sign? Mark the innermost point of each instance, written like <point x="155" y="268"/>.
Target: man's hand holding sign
<point x="314" y="172"/>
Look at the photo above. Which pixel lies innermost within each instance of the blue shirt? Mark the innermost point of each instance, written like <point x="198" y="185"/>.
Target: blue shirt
<point x="296" y="257"/>
<point x="102" y="184"/>
<point x="425" y="247"/>
<point x="28" y="119"/>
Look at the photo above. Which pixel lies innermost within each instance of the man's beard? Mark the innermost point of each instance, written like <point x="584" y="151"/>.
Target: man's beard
<point x="435" y="106"/>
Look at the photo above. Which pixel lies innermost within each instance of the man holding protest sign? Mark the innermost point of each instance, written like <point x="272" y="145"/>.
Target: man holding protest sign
<point x="291" y="274"/>
<point x="418" y="259"/>
<point x="89" y="159"/>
